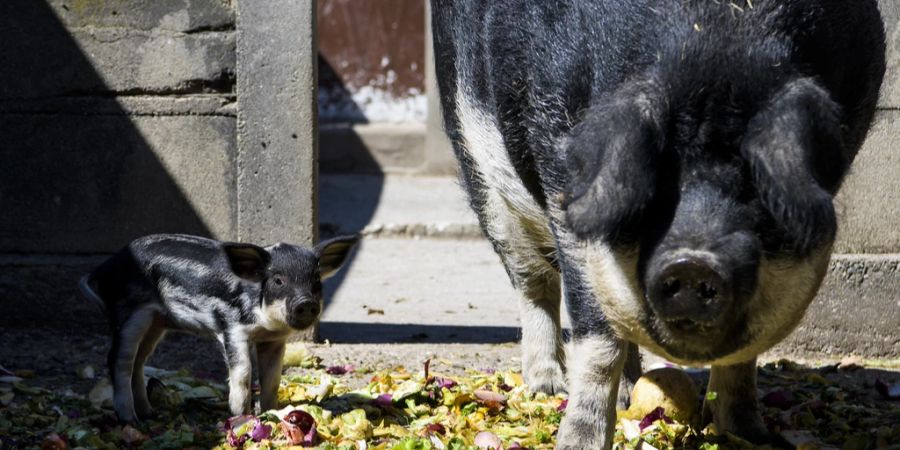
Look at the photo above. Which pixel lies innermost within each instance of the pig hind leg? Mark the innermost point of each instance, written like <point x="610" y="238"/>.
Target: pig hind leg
<point x="520" y="233"/>
<point x="543" y="352"/>
<point x="518" y="242"/>
<point x="126" y="340"/>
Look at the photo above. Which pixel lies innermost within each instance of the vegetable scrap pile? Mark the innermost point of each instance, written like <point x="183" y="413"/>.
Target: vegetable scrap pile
<point x="400" y="409"/>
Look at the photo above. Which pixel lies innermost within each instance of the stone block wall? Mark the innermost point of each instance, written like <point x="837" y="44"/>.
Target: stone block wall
<point x="117" y="119"/>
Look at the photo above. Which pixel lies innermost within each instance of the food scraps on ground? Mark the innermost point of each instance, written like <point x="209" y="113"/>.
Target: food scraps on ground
<point x="421" y="409"/>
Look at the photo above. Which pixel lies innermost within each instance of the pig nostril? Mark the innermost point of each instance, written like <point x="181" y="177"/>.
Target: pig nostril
<point x="671" y="287"/>
<point x="707" y="292"/>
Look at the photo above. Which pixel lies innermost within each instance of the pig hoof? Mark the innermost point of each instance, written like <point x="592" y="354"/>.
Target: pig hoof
<point x="623" y="401"/>
<point x="549" y="381"/>
<point x="579" y="434"/>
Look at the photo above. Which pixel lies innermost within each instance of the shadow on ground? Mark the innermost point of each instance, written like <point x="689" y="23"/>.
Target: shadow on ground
<point x="382" y="333"/>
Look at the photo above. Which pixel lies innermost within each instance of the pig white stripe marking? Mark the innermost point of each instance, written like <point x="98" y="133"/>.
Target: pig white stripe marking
<point x="518" y="226"/>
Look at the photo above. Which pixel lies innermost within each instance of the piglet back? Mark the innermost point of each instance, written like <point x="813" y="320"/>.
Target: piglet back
<point x="196" y="265"/>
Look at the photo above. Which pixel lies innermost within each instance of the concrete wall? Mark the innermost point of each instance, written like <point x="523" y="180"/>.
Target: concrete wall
<point x="125" y="118"/>
<point x="117" y="119"/>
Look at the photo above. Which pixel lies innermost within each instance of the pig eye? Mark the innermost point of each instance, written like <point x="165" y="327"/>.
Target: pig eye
<point x="278" y="280"/>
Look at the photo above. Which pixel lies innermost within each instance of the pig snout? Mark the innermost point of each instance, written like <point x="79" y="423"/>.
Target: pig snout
<point x="687" y="292"/>
<point x="303" y="313"/>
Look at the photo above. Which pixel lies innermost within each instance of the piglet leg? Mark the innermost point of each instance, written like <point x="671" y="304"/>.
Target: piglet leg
<point x="270" y="355"/>
<point x="122" y="360"/>
<point x="236" y="347"/>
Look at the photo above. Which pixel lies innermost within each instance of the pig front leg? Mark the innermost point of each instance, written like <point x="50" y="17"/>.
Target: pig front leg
<point x="527" y="261"/>
<point x="597" y="361"/>
<point x="735" y="408"/>
<point x="236" y="346"/>
<point x="595" y="369"/>
<point x="270" y="356"/>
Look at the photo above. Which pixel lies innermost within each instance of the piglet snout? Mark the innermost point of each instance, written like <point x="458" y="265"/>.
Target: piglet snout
<point x="303" y="313"/>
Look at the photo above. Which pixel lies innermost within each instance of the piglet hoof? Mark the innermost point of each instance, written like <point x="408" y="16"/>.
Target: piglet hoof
<point x="146" y="414"/>
<point x="126" y="415"/>
<point x="128" y="419"/>
<point x="549" y="380"/>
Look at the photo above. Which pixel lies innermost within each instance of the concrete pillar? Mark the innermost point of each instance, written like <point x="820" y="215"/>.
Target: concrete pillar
<point x="439" y="159"/>
<point x="277" y="156"/>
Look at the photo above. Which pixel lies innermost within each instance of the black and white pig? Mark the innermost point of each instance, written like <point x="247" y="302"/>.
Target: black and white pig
<point x="240" y="294"/>
<point x="666" y="166"/>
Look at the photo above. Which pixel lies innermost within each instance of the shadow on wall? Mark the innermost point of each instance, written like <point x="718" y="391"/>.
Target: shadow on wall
<point x="78" y="176"/>
<point x="349" y="194"/>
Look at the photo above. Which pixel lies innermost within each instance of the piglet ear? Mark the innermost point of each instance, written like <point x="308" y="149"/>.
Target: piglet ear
<point x="612" y="156"/>
<point x="796" y="152"/>
<point x="333" y="253"/>
<point x="247" y="261"/>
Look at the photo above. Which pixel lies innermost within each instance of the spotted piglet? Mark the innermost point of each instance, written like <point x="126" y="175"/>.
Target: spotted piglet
<point x="241" y="294"/>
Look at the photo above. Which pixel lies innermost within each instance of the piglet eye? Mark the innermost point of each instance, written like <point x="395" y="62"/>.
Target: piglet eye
<point x="278" y="281"/>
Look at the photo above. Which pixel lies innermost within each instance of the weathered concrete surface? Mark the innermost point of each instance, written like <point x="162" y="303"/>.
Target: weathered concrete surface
<point x="277" y="138"/>
<point x="868" y="204"/>
<point x="48" y="59"/>
<point x="373" y="148"/>
<point x="395" y="206"/>
<point x="857" y="310"/>
<point x="132" y="105"/>
<point x="184" y="16"/>
<point x="78" y="183"/>
<point x="890" y="92"/>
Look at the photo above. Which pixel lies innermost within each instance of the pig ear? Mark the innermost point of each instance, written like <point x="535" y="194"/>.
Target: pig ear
<point x="247" y="261"/>
<point x="612" y="157"/>
<point x="797" y="155"/>
<point x="333" y="253"/>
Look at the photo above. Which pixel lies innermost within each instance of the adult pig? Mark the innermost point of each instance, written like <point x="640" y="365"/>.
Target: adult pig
<point x="666" y="167"/>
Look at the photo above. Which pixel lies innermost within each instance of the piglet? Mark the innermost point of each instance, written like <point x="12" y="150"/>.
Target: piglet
<point x="240" y="294"/>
